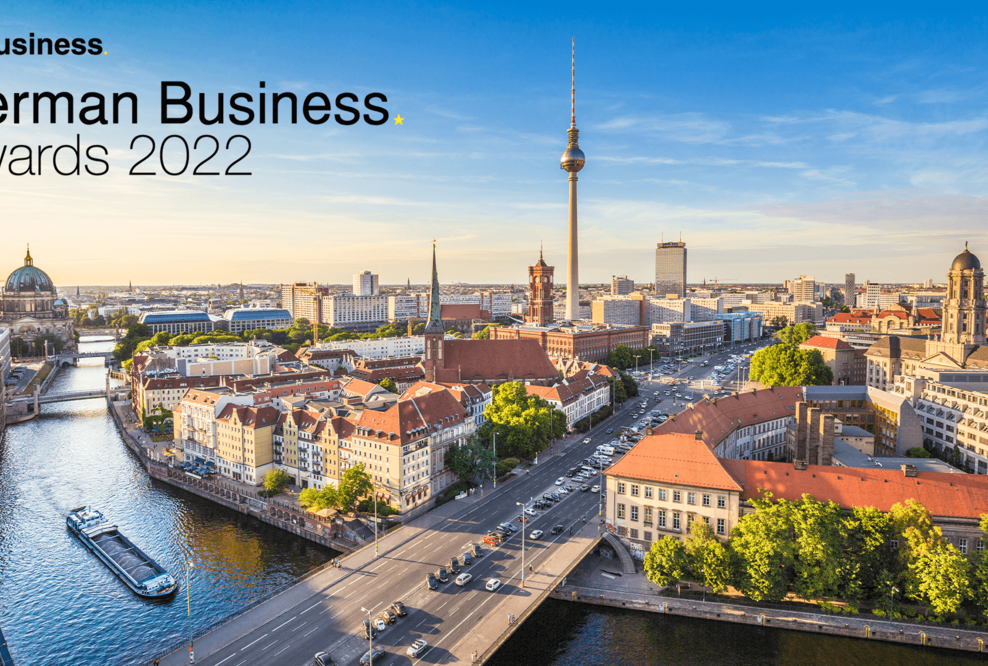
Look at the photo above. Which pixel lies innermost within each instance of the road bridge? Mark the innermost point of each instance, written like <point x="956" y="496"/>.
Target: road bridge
<point x="72" y="358"/>
<point x="68" y="396"/>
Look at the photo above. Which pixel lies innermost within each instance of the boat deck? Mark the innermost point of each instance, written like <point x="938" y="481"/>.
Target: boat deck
<point x="126" y="556"/>
<point x="5" y="658"/>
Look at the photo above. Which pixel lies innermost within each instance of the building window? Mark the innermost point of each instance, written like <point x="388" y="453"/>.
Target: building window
<point x="621" y="511"/>
<point x="677" y="496"/>
<point x="648" y="494"/>
<point x="662" y="494"/>
<point x="721" y="501"/>
<point x="980" y="545"/>
<point x="634" y="513"/>
<point x="705" y="500"/>
<point x="675" y="520"/>
<point x="620" y="488"/>
<point x="662" y="519"/>
<point x="895" y="544"/>
<point x="720" y="526"/>
<point x="962" y="545"/>
<point x="634" y="533"/>
<point x="648" y="515"/>
<point x="691" y="498"/>
<point x="648" y="536"/>
<point x="634" y="490"/>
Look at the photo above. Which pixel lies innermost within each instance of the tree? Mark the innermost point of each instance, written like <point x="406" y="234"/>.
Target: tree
<point x="793" y="336"/>
<point x="910" y="525"/>
<point x="485" y="334"/>
<point x="277" y="480"/>
<point x="765" y="552"/>
<point x="782" y="365"/>
<point x="780" y="321"/>
<point x="354" y="484"/>
<point x="917" y="452"/>
<point x="620" y="394"/>
<point x="707" y="558"/>
<point x="630" y="385"/>
<point x="524" y="423"/>
<point x="389" y="384"/>
<point x="472" y="461"/>
<point x="822" y="568"/>
<point x="620" y="358"/>
<point x="979" y="571"/>
<point x="942" y="571"/>
<point x="317" y="500"/>
<point x="54" y="344"/>
<point x="869" y="539"/>
<point x="666" y="562"/>
<point x="18" y="347"/>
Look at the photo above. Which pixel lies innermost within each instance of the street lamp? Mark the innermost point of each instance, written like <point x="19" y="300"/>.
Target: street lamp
<point x="370" y="636"/>
<point x="651" y="353"/>
<point x="523" y="526"/>
<point x="375" y="523"/>
<point x="188" y="602"/>
<point x="494" y="464"/>
<point x="891" y="601"/>
<point x="600" y="495"/>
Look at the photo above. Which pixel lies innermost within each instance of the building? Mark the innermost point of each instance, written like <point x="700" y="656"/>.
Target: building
<point x="572" y="162"/>
<point x="380" y="347"/>
<point x="581" y="342"/>
<point x="850" y="290"/>
<point x="366" y="284"/>
<point x="670" y="269"/>
<point x="403" y="371"/>
<point x="617" y="310"/>
<point x="176" y="322"/>
<point x="889" y="416"/>
<point x="848" y="366"/>
<point x="577" y="397"/>
<point x="803" y="289"/>
<point x="692" y="337"/>
<point x="302" y="300"/>
<point x="741" y="327"/>
<point x="30" y="308"/>
<point x="705" y="309"/>
<point x="540" y="299"/>
<point x="4" y="358"/>
<point x="239" y="320"/>
<point x="621" y="285"/>
<point x="245" y="442"/>
<point x="774" y="313"/>
<point x="354" y="312"/>
<point x="872" y="295"/>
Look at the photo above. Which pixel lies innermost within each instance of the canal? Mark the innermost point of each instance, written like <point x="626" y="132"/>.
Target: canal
<point x="59" y="605"/>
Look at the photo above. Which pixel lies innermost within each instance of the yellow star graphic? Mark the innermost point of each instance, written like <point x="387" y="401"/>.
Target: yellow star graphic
<point x="399" y="120"/>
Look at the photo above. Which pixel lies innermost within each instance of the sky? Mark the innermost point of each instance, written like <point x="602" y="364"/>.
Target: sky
<point x="777" y="142"/>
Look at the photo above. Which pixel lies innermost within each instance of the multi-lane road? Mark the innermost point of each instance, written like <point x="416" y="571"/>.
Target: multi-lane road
<point x="331" y="618"/>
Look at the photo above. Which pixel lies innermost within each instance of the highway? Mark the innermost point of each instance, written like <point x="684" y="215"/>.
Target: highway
<point x="330" y="620"/>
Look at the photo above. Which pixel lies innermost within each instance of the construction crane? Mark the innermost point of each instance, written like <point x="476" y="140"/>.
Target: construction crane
<point x="716" y="280"/>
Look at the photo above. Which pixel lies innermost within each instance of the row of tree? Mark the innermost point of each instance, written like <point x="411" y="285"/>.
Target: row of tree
<point x="354" y="485"/>
<point x="785" y="364"/>
<point x="815" y="550"/>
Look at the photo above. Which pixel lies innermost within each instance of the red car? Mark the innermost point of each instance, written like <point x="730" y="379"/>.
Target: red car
<point x="522" y="519"/>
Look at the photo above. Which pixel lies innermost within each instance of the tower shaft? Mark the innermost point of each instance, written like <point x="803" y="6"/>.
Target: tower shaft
<point x="573" y="265"/>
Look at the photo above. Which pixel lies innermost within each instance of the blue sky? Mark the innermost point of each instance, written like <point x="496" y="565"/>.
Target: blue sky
<point x="778" y="143"/>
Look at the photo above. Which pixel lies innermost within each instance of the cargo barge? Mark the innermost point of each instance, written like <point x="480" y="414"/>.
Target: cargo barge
<point x="140" y="573"/>
<point x="5" y="658"/>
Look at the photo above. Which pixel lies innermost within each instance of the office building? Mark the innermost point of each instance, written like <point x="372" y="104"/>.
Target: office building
<point x="621" y="285"/>
<point x="670" y="269"/>
<point x="180" y="321"/>
<point x="803" y="289"/>
<point x="302" y="300"/>
<point x="366" y="284"/>
<point x="239" y="320"/>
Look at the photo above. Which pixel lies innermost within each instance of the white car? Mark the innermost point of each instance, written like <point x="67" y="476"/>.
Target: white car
<point x="529" y="512"/>
<point x="595" y="489"/>
<point x="586" y="441"/>
<point x="418" y="648"/>
<point x="493" y="584"/>
<point x="380" y="624"/>
<point x="463" y="579"/>
<point x="560" y="481"/>
<point x="536" y="534"/>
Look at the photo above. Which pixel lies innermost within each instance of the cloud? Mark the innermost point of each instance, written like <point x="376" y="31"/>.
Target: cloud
<point x="684" y="127"/>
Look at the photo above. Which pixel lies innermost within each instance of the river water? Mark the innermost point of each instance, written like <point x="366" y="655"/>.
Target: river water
<point x="59" y="605"/>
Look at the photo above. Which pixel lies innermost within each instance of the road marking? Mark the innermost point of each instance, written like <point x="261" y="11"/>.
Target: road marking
<point x="247" y="646"/>
<point x="284" y="623"/>
<point x="299" y="626"/>
<point x="448" y="633"/>
<point x="242" y="663"/>
<point x="278" y="652"/>
<point x="264" y="648"/>
<point x="309" y="632"/>
<point x="310" y="608"/>
<point x="230" y="657"/>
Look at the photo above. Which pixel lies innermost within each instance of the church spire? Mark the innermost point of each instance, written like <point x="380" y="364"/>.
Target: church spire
<point x="28" y="261"/>
<point x="435" y="324"/>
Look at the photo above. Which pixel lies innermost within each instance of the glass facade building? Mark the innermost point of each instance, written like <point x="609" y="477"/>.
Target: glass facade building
<point x="670" y="269"/>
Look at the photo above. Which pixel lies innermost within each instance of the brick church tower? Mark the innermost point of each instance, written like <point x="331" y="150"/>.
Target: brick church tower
<point x="540" y="293"/>
<point x="435" y="335"/>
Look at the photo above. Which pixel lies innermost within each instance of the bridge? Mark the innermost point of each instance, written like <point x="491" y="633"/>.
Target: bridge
<point x="68" y="396"/>
<point x="462" y="624"/>
<point x="70" y="358"/>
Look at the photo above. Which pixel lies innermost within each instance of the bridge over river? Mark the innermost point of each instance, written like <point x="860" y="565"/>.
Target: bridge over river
<point x="462" y="624"/>
<point x="68" y="396"/>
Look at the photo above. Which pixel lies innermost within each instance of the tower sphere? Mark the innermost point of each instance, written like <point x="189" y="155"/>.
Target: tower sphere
<point x="573" y="159"/>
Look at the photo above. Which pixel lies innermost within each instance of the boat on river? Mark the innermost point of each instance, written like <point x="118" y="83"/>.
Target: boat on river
<point x="140" y="573"/>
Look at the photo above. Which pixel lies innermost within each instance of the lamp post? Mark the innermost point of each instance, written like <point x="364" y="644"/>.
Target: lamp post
<point x="523" y="526"/>
<point x="494" y="464"/>
<point x="188" y="602"/>
<point x="891" y="601"/>
<point x="375" y="523"/>
<point x="370" y="636"/>
<point x="600" y="495"/>
<point x="651" y="354"/>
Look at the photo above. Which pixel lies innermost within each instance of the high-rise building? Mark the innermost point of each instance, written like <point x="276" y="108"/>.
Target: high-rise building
<point x="873" y="292"/>
<point x="540" y="293"/>
<point x="302" y="300"/>
<point x="572" y="161"/>
<point x="849" y="290"/>
<point x="621" y="285"/>
<point x="803" y="289"/>
<point x="670" y="269"/>
<point x="366" y="284"/>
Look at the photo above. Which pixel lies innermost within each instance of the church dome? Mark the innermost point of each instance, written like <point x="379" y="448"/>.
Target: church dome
<point x="28" y="278"/>
<point x="965" y="261"/>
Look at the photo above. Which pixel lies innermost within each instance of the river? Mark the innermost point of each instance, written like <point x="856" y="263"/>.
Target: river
<point x="59" y="605"/>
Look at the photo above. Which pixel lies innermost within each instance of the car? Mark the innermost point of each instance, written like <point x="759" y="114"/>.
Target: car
<point x="467" y="559"/>
<point x="523" y="519"/>
<point x="570" y="473"/>
<point x="536" y="535"/>
<point x="463" y="579"/>
<point x="508" y="526"/>
<point x="388" y="616"/>
<point x="556" y="530"/>
<point x="442" y="575"/>
<point x="498" y="532"/>
<point x="431" y="582"/>
<point x="609" y="431"/>
<point x="492" y="584"/>
<point x="323" y="659"/>
<point x="369" y="631"/>
<point x="586" y="440"/>
<point x="399" y="609"/>
<point x="380" y="624"/>
<point x="529" y="512"/>
<point x="584" y="488"/>
<point x="492" y="540"/>
<point x="375" y="655"/>
<point x="477" y="550"/>
<point x="595" y="489"/>
<point x="454" y="565"/>
<point x="418" y="648"/>
<point x="560" y="481"/>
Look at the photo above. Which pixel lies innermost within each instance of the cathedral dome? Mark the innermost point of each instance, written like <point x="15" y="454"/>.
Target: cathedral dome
<point x="28" y="278"/>
<point x="965" y="261"/>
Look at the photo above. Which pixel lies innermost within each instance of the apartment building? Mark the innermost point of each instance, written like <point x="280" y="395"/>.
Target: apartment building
<point x="354" y="312"/>
<point x="621" y="285"/>
<point x="792" y="313"/>
<point x="303" y="300"/>
<point x="692" y="337"/>
<point x="577" y="397"/>
<point x="366" y="284"/>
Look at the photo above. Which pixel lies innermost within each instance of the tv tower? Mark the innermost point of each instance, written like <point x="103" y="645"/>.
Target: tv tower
<point x="572" y="161"/>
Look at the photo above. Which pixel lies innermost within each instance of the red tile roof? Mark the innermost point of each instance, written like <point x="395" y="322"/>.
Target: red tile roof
<point x="850" y="318"/>
<point x="495" y="361"/>
<point x="676" y="459"/>
<point x="250" y="417"/>
<point x="460" y="311"/>
<point x="826" y="343"/>
<point x="410" y="419"/>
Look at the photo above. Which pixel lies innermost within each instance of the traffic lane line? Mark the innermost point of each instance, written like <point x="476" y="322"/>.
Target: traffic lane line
<point x="252" y="642"/>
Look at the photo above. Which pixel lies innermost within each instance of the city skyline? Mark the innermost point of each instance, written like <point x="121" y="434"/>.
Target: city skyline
<point x="838" y="158"/>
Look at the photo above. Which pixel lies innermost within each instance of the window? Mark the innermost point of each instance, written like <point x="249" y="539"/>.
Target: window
<point x="648" y="515"/>
<point x="895" y="544"/>
<point x="634" y="513"/>
<point x="648" y="495"/>
<point x="705" y="500"/>
<point x="620" y="511"/>
<point x="706" y="520"/>
<point x="721" y="501"/>
<point x="675" y="520"/>
<point x="662" y="519"/>
<point x="634" y="533"/>
<point x="962" y="545"/>
<point x="648" y="536"/>
<point x="720" y="526"/>
<point x="620" y="488"/>
<point x="691" y="498"/>
<point x="634" y="490"/>
<point x="662" y="494"/>
<point x="677" y="496"/>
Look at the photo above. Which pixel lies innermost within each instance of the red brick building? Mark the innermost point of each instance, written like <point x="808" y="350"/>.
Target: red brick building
<point x="540" y="301"/>
<point x="584" y="343"/>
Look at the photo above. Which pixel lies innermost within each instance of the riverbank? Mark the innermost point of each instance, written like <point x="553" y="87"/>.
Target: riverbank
<point x="600" y="581"/>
